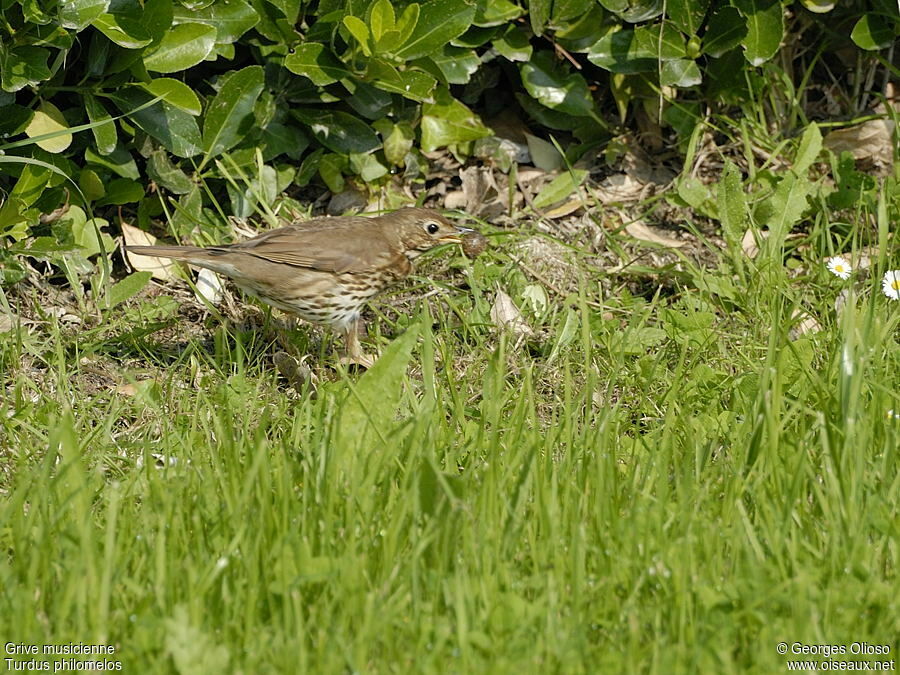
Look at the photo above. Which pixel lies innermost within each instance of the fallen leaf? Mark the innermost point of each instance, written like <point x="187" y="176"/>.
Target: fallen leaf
<point x="749" y="245"/>
<point x="806" y="324"/>
<point x="209" y="287"/>
<point x="7" y="322"/>
<point x="872" y="139"/>
<point x="620" y="187"/>
<point x="455" y="200"/>
<point x="161" y="268"/>
<point x="564" y="209"/>
<point x="639" y="230"/>
<point x="507" y="316"/>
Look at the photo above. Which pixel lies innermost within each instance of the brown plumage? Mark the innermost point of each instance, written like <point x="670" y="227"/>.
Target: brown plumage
<point x="326" y="269"/>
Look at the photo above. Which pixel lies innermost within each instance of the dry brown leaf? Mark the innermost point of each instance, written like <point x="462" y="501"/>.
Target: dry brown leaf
<point x="507" y="316"/>
<point x="160" y="268"/>
<point x="872" y="139"/>
<point x="806" y="324"/>
<point x="129" y="389"/>
<point x="748" y="243"/>
<point x="564" y="209"/>
<point x="7" y="322"/>
<point x="620" y="187"/>
<point x="455" y="200"/>
<point x="639" y="230"/>
<point x="478" y="185"/>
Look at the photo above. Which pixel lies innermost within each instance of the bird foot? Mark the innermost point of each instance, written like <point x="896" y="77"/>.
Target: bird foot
<point x="361" y="360"/>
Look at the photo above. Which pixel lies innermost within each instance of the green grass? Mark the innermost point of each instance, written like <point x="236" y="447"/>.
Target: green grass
<point x="672" y="484"/>
<point x="678" y="489"/>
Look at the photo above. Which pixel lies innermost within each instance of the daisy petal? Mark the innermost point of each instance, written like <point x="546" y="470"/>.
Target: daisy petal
<point x="890" y="284"/>
<point x="839" y="267"/>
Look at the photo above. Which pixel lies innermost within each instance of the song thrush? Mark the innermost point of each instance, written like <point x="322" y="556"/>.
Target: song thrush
<point x="326" y="269"/>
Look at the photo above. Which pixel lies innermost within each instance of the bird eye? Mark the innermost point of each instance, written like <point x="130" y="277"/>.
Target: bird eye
<point x="432" y="227"/>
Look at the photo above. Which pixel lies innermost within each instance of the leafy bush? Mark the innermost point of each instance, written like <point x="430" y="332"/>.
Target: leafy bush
<point x="112" y="101"/>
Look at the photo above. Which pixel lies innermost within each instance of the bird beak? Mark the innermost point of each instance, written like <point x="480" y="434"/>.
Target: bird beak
<point x="456" y="238"/>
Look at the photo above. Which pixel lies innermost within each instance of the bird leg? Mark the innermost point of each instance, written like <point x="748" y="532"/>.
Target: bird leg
<point x="354" y="354"/>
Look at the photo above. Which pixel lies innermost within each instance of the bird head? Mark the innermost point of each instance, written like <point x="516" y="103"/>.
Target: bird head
<point x="423" y="229"/>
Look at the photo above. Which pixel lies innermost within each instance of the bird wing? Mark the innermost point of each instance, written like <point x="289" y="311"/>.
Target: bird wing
<point x="355" y="246"/>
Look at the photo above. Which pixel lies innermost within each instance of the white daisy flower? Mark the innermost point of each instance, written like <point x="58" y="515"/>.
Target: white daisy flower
<point x="890" y="284"/>
<point x="839" y="267"/>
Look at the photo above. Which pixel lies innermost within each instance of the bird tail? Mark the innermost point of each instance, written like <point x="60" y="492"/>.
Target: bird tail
<point x="174" y="252"/>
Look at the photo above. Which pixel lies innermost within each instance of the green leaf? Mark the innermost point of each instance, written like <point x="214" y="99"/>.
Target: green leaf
<point x="819" y="6"/>
<point x="398" y="142"/>
<point x="634" y="11"/>
<point x="560" y="188"/>
<point x="440" y="21"/>
<point x="765" y="29"/>
<point x="679" y="73"/>
<point x="175" y="92"/>
<point x="514" y="44"/>
<point x="412" y="84"/>
<point x="406" y="24"/>
<point x="127" y="288"/>
<point x="725" y="31"/>
<point x="23" y="67"/>
<point x="698" y="196"/>
<point x="91" y="185"/>
<point x="338" y="131"/>
<point x="119" y="161"/>
<point x="732" y="206"/>
<point x="290" y="9"/>
<point x="496" y="12"/>
<point x="872" y="32"/>
<point x="161" y="170"/>
<point x="84" y="232"/>
<point x="156" y="16"/>
<point x="30" y="185"/>
<point x="447" y="121"/>
<point x="48" y="119"/>
<point x="13" y="223"/>
<point x="367" y="100"/>
<point x="456" y="65"/>
<point x="122" y="191"/>
<point x="687" y="15"/>
<point x="281" y="139"/>
<point x="171" y="126"/>
<point x="78" y="14"/>
<point x="376" y="395"/>
<point x="367" y="167"/>
<point x="360" y="31"/>
<point x="810" y="147"/>
<point x="105" y="132"/>
<point x="381" y="18"/>
<point x="125" y="29"/>
<point x="314" y="61"/>
<point x="538" y="15"/>
<point x="555" y="87"/>
<point x="783" y="209"/>
<point x="331" y="171"/>
<point x="13" y="119"/>
<point x="637" y="51"/>
<point x="230" y="115"/>
<point x="184" y="46"/>
<point x="565" y="11"/>
<point x="230" y="18"/>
